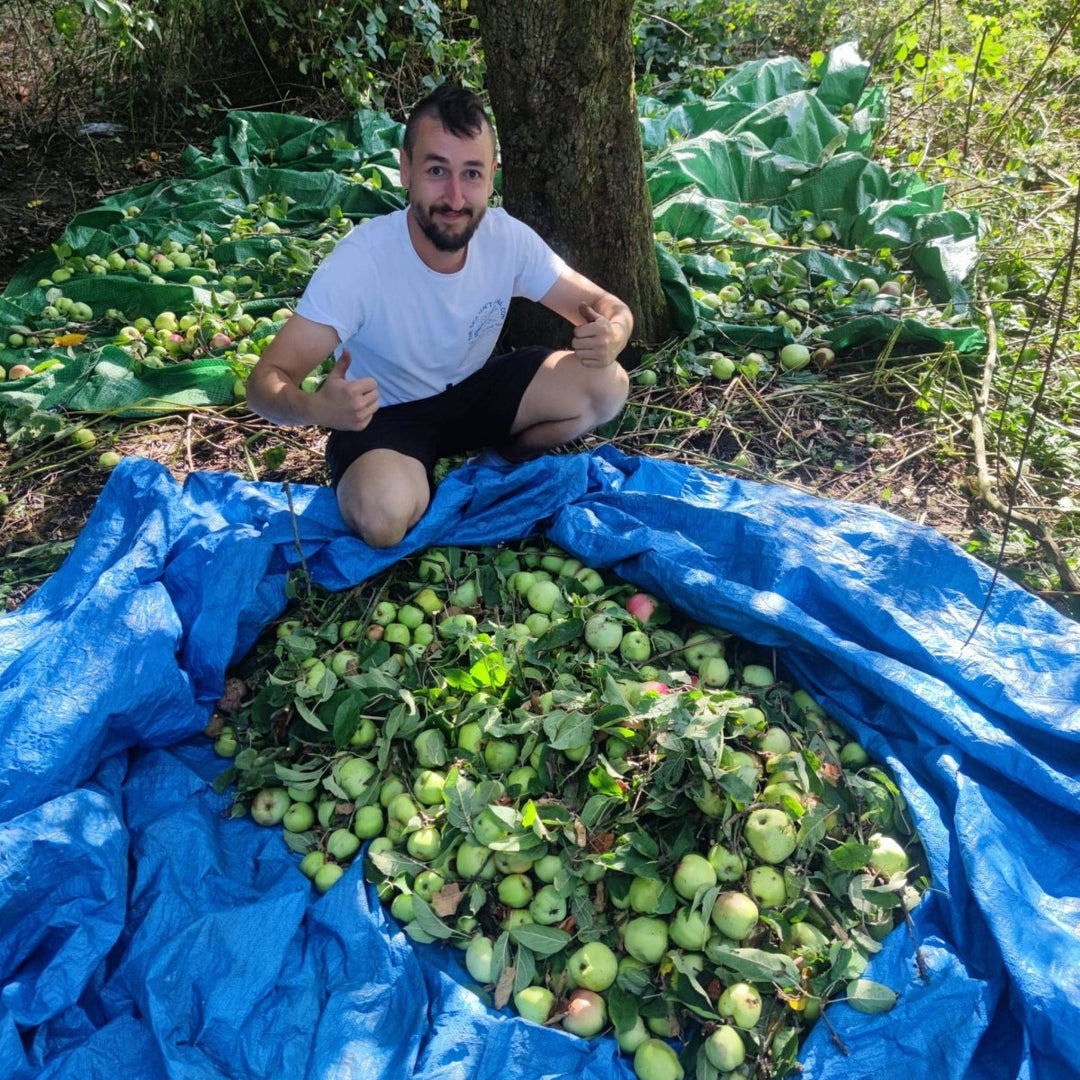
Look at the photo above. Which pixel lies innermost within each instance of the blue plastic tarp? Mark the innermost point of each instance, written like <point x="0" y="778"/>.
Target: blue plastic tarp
<point x="144" y="934"/>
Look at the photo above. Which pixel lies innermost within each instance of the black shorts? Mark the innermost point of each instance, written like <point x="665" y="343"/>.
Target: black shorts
<point x="478" y="412"/>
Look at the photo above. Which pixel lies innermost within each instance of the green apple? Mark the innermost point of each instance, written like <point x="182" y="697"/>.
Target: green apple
<point x="545" y="597"/>
<point x="327" y="875"/>
<point x="689" y="929"/>
<point x="534" y="1003"/>
<point x="470" y="737"/>
<point x="270" y="806"/>
<point x="603" y="634"/>
<point x="355" y="774"/>
<point x="474" y="861"/>
<point x="547" y="866"/>
<point x="635" y="647"/>
<point x="729" y="865"/>
<point x="299" y="817"/>
<point x="368" y="822"/>
<point x="774" y="740"/>
<point x="630" y="1039"/>
<point x="735" y="915"/>
<point x="427" y="883"/>
<point x="654" y="1059"/>
<point x="714" y="671"/>
<point x="724" y="1049"/>
<point x="512" y="862"/>
<point x="515" y="890"/>
<point x="311" y="863"/>
<point x="644" y="894"/>
<point x="887" y="856"/>
<point x="478" y="958"/>
<point x="742" y="1003"/>
<point x="700" y="646"/>
<point x="401" y="907"/>
<point x="593" y="966"/>
<point x="547" y="908"/>
<point x="771" y="834"/>
<point x="693" y="873"/>
<point x="500" y="755"/>
<point x="342" y="844"/>
<point x="766" y="883"/>
<point x="646" y="938"/>
<point x="424" y="844"/>
<point x="429" y="787"/>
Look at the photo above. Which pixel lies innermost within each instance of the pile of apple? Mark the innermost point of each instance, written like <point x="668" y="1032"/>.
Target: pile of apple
<point x="224" y="282"/>
<point x="626" y="822"/>
<point x="766" y="285"/>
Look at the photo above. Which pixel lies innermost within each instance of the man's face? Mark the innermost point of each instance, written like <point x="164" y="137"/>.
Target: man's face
<point x="450" y="181"/>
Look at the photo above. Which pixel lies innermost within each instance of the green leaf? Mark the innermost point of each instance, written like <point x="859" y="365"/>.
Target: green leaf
<point x="428" y="921"/>
<point x="850" y="855"/>
<point x="568" y="731"/>
<point x="542" y="941"/>
<point x="309" y="715"/>
<point x="757" y="965"/>
<point x="623" y="1006"/>
<point x="867" y="996"/>
<point x="562" y="633"/>
<point x="605" y="783"/>
<point x="524" y="968"/>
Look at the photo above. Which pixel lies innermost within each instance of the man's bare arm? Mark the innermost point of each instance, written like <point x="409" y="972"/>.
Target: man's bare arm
<point x="603" y="322"/>
<point x="273" y="388"/>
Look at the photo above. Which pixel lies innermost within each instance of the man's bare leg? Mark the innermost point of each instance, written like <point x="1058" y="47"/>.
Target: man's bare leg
<point x="565" y="399"/>
<point x="382" y="495"/>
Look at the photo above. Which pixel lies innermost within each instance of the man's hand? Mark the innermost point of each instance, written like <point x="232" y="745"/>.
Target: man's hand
<point x="347" y="404"/>
<point x="596" y="340"/>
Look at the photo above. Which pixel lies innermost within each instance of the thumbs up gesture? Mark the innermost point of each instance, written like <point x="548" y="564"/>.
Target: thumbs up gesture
<point x="595" y="340"/>
<point x="348" y="404"/>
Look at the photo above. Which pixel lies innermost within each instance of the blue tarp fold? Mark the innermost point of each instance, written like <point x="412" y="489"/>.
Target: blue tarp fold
<point x="144" y="934"/>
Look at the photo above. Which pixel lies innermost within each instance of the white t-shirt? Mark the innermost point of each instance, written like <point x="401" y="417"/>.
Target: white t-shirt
<point x="414" y="330"/>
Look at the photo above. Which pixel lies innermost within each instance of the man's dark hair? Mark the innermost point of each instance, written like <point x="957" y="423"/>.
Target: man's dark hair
<point x="460" y="111"/>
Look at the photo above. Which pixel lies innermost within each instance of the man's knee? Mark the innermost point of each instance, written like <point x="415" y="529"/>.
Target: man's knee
<point x="608" y="395"/>
<point x="381" y="504"/>
<point x="377" y="526"/>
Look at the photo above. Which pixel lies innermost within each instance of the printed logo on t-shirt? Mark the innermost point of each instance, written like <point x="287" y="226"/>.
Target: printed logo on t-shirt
<point x="488" y="321"/>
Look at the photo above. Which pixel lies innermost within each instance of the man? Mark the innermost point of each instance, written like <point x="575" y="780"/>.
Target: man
<point x="415" y="301"/>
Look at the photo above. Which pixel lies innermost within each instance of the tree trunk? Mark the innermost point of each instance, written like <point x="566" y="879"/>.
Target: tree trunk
<point x="560" y="78"/>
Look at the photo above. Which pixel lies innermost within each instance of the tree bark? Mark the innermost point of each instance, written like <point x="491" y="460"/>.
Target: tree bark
<point x="560" y="78"/>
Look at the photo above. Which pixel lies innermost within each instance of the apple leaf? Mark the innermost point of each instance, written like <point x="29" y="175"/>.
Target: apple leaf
<point x="542" y="941"/>
<point x="568" y="731"/>
<point x="562" y="633"/>
<point x="524" y="968"/>
<point x="500" y="956"/>
<point x="603" y="780"/>
<point x="504" y="988"/>
<point x="622" y="1007"/>
<point x="757" y="965"/>
<point x="867" y="996"/>
<point x="850" y="855"/>
<point x="309" y="715"/>
<point x="417" y="933"/>
<point x="428" y="921"/>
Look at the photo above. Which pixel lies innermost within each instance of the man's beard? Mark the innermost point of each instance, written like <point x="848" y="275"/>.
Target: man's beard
<point x="442" y="240"/>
